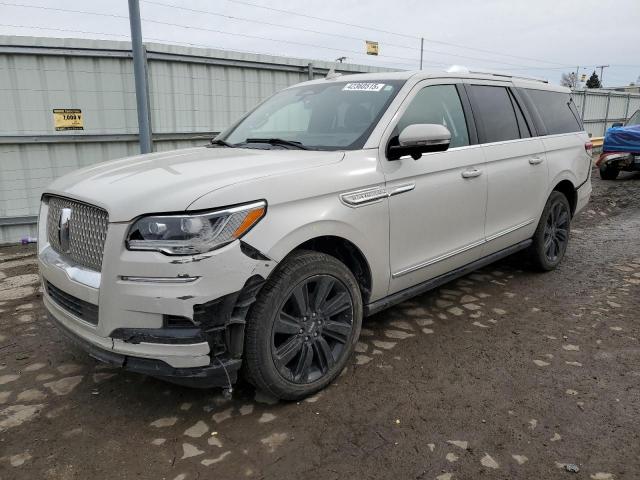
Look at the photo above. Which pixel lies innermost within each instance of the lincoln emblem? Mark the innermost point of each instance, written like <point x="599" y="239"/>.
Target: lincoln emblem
<point x="63" y="229"/>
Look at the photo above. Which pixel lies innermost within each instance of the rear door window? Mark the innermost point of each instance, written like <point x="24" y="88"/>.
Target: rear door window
<point x="557" y="111"/>
<point x="494" y="113"/>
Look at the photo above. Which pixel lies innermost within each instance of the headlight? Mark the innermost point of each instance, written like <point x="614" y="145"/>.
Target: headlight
<point x="198" y="233"/>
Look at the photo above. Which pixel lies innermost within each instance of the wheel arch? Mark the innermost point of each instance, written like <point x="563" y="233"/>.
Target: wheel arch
<point x="568" y="189"/>
<point x="349" y="254"/>
<point x="344" y="242"/>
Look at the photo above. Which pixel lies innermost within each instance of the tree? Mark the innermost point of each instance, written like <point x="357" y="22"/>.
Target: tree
<point x="569" y="80"/>
<point x="594" y="81"/>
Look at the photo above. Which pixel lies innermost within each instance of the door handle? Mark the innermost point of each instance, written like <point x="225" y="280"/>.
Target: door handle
<point x="535" y="160"/>
<point x="471" y="173"/>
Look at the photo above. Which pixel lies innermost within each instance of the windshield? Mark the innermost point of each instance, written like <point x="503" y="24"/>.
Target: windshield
<point x="635" y="119"/>
<point x="324" y="116"/>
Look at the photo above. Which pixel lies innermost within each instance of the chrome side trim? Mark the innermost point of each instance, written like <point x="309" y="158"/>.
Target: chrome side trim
<point x="510" y="230"/>
<point x="402" y="189"/>
<point x="437" y="259"/>
<point x="74" y="271"/>
<point x="127" y="278"/>
<point x="366" y="196"/>
<point x="460" y="250"/>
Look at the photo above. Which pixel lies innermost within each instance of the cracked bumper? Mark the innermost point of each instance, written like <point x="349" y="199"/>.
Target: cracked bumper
<point x="223" y="373"/>
<point x="136" y="293"/>
<point x="177" y="356"/>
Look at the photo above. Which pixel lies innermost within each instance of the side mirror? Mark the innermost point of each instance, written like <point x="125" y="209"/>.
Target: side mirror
<point x="617" y="124"/>
<point x="417" y="139"/>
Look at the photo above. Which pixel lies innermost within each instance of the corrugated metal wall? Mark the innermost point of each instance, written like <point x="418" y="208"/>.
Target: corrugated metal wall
<point x="603" y="108"/>
<point x="194" y="93"/>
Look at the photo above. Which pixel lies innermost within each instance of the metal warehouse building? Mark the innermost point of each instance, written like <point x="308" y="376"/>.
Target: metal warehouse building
<point x="69" y="103"/>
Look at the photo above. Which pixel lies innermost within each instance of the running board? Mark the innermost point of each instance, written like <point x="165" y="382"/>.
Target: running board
<point x="410" y="292"/>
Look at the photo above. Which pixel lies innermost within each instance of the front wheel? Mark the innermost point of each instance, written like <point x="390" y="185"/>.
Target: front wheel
<point x="303" y="327"/>
<point x="551" y="238"/>
<point x="608" y="172"/>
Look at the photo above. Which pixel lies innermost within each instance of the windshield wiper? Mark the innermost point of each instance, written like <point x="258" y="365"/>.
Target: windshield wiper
<point x="277" y="141"/>
<point x="222" y="143"/>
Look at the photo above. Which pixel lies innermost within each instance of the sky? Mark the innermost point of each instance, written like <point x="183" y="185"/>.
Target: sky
<point x="541" y="38"/>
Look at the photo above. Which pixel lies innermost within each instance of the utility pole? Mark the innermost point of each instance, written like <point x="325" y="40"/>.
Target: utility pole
<point x="421" y="50"/>
<point x="140" y="76"/>
<point x="602" y="67"/>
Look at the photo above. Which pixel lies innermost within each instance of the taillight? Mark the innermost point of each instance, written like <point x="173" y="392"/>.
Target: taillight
<point x="588" y="147"/>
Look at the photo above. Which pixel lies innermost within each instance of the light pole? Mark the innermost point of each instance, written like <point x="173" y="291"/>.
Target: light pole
<point x="140" y="77"/>
<point x="602" y="67"/>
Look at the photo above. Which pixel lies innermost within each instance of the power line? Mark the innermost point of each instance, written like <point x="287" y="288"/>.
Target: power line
<point x="66" y="10"/>
<point x="155" y="39"/>
<point x="290" y="42"/>
<point x="414" y="37"/>
<point x="124" y="17"/>
<point x="235" y="18"/>
<point x="279" y="25"/>
<point x="353" y="52"/>
<point x="126" y="35"/>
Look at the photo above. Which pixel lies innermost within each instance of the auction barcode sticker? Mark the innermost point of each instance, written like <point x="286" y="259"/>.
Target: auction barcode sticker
<point x="363" y="87"/>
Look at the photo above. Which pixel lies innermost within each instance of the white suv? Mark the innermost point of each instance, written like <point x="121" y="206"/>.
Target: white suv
<point x="332" y="200"/>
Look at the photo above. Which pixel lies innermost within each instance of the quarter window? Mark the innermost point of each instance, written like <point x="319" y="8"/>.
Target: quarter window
<point x="556" y="110"/>
<point x="437" y="104"/>
<point x="494" y="113"/>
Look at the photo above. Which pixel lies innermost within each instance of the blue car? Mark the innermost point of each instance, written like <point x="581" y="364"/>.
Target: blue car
<point x="621" y="149"/>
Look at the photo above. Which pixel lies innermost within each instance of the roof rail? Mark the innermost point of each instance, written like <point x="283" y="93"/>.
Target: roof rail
<point x="462" y="69"/>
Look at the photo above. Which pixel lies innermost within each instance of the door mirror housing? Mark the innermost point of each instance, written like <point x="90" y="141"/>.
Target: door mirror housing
<point x="419" y="138"/>
<point x="617" y="124"/>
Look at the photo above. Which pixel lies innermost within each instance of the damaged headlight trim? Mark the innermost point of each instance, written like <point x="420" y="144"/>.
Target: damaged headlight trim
<point x="189" y="234"/>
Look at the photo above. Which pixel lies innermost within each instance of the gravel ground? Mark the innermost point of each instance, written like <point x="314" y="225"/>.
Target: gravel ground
<point x="502" y="374"/>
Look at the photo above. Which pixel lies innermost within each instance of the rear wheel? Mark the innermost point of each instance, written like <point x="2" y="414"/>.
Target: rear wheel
<point x="608" y="172"/>
<point x="551" y="238"/>
<point x="303" y="327"/>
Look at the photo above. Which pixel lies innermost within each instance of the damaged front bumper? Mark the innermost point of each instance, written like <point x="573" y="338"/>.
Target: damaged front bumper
<point x="178" y="318"/>
<point x="619" y="160"/>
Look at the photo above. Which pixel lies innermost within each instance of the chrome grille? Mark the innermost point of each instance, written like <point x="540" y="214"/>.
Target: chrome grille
<point x="87" y="231"/>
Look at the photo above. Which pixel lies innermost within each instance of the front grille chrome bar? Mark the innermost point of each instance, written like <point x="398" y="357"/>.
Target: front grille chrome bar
<point x="77" y="231"/>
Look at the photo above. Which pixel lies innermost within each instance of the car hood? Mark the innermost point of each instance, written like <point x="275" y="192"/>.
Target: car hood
<point x="171" y="181"/>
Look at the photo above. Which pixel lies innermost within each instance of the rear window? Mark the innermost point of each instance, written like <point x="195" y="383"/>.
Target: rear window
<point x="557" y="111"/>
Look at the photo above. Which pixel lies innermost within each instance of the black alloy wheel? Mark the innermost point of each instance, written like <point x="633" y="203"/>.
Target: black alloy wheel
<point x="556" y="231"/>
<point x="312" y="329"/>
<point x="551" y="238"/>
<point x="303" y="327"/>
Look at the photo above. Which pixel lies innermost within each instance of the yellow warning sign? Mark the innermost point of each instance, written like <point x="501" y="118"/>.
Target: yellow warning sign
<point x="372" y="47"/>
<point x="67" y="119"/>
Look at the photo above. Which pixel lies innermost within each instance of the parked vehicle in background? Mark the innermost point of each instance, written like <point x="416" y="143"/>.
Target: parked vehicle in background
<point x="620" y="149"/>
<point x="332" y="200"/>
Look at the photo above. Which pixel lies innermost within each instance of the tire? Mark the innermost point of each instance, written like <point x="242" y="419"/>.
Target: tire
<point x="608" y="172"/>
<point x="303" y="327"/>
<point x="551" y="237"/>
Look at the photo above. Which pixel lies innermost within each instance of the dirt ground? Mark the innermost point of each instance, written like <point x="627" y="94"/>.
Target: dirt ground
<point x="503" y="374"/>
